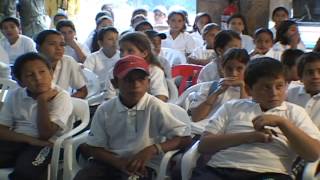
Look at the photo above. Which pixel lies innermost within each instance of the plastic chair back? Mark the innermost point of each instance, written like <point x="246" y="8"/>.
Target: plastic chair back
<point x="5" y="85"/>
<point x="189" y="73"/>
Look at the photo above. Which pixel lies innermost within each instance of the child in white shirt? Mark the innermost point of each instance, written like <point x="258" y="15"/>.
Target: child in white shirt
<point x="263" y="40"/>
<point x="200" y="21"/>
<point x="15" y="44"/>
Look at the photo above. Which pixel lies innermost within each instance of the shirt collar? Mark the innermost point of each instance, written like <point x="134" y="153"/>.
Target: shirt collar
<point x="141" y="105"/>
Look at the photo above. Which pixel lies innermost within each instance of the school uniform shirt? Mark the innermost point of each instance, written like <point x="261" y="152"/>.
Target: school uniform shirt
<point x="173" y="56"/>
<point x="299" y="96"/>
<point x="158" y="84"/>
<point x="19" y="112"/>
<point x="276" y="156"/>
<point x="197" y="37"/>
<point x="3" y="55"/>
<point x="68" y="74"/>
<point x="68" y="50"/>
<point x="23" y="45"/>
<point x="183" y="42"/>
<point x="203" y="53"/>
<point x="274" y="32"/>
<point x="277" y="50"/>
<point x="125" y="131"/>
<point x="199" y="97"/>
<point x="247" y="42"/>
<point x="100" y="64"/>
<point x="209" y="72"/>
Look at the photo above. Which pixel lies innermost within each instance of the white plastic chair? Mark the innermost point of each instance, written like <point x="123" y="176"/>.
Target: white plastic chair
<point x="5" y="85"/>
<point x="173" y="91"/>
<point x="80" y="112"/>
<point x="189" y="161"/>
<point x="72" y="165"/>
<point x="310" y="171"/>
<point x="95" y="96"/>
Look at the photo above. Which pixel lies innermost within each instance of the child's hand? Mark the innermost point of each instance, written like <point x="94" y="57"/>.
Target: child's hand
<point x="138" y="161"/>
<point x="231" y="81"/>
<point x="260" y="122"/>
<point x="47" y="96"/>
<point x="264" y="136"/>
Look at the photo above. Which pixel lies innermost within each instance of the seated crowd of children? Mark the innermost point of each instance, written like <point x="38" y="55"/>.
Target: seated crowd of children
<point x="256" y="105"/>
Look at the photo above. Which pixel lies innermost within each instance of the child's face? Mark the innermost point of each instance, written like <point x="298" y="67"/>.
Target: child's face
<point x="236" y="24"/>
<point x="293" y="30"/>
<point x="311" y="77"/>
<point x="128" y="48"/>
<point x="269" y="92"/>
<point x="36" y="77"/>
<point x="209" y="38"/>
<point x="156" y="41"/>
<point x="263" y="43"/>
<point x="53" y="47"/>
<point x="68" y="33"/>
<point x="10" y="30"/>
<point x="280" y="16"/>
<point x="133" y="86"/>
<point x="110" y="41"/>
<point x="202" y="22"/>
<point x="176" y="23"/>
<point x="234" y="68"/>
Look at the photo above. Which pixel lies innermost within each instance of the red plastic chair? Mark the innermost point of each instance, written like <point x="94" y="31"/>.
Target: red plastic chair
<point x="189" y="72"/>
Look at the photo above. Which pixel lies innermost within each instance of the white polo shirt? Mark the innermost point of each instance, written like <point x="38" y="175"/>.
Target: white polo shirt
<point x="3" y="55"/>
<point x="299" y="96"/>
<point x="247" y="42"/>
<point x="126" y="131"/>
<point x="236" y="117"/>
<point x="19" y="112"/>
<point x="203" y="93"/>
<point x="68" y="73"/>
<point x="68" y="50"/>
<point x="197" y="37"/>
<point x="23" y="45"/>
<point x="100" y="64"/>
<point x="277" y="50"/>
<point x="209" y="72"/>
<point x="183" y="42"/>
<point x="202" y="52"/>
<point x="158" y="84"/>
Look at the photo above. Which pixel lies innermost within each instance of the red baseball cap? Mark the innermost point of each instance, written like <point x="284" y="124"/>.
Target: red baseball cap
<point x="129" y="63"/>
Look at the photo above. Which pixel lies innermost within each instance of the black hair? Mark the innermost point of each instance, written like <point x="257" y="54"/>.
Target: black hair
<point x="141" y="24"/>
<point x="262" y="30"/>
<point x="243" y="19"/>
<point x="10" y="19"/>
<point x="41" y="37"/>
<point x="198" y="17"/>
<point x="105" y="30"/>
<point x="65" y="23"/>
<point x="223" y="38"/>
<point x="290" y="57"/>
<point x="179" y="12"/>
<point x="306" y="58"/>
<point x="264" y="67"/>
<point x="282" y="30"/>
<point x="279" y="9"/>
<point x="19" y="63"/>
<point x="208" y="27"/>
<point x="238" y="54"/>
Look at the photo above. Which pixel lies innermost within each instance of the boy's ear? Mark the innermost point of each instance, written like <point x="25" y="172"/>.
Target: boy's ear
<point x="114" y="82"/>
<point x="145" y="54"/>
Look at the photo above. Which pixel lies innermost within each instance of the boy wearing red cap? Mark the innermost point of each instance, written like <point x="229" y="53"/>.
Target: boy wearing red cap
<point x="126" y="130"/>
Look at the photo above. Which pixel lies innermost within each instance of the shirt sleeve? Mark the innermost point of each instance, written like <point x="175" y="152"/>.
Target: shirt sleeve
<point x="60" y="110"/>
<point x="78" y="79"/>
<point x="97" y="136"/>
<point x="6" y="112"/>
<point x="158" y="83"/>
<point x="90" y="62"/>
<point x="217" y="122"/>
<point x="200" y="96"/>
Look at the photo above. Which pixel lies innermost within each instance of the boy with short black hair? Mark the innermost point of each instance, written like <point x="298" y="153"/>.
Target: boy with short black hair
<point x="101" y="62"/>
<point x="289" y="59"/>
<point x="15" y="44"/>
<point x="126" y="130"/>
<point x="67" y="72"/>
<point x="261" y="137"/>
<point x="308" y="94"/>
<point x="32" y="117"/>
